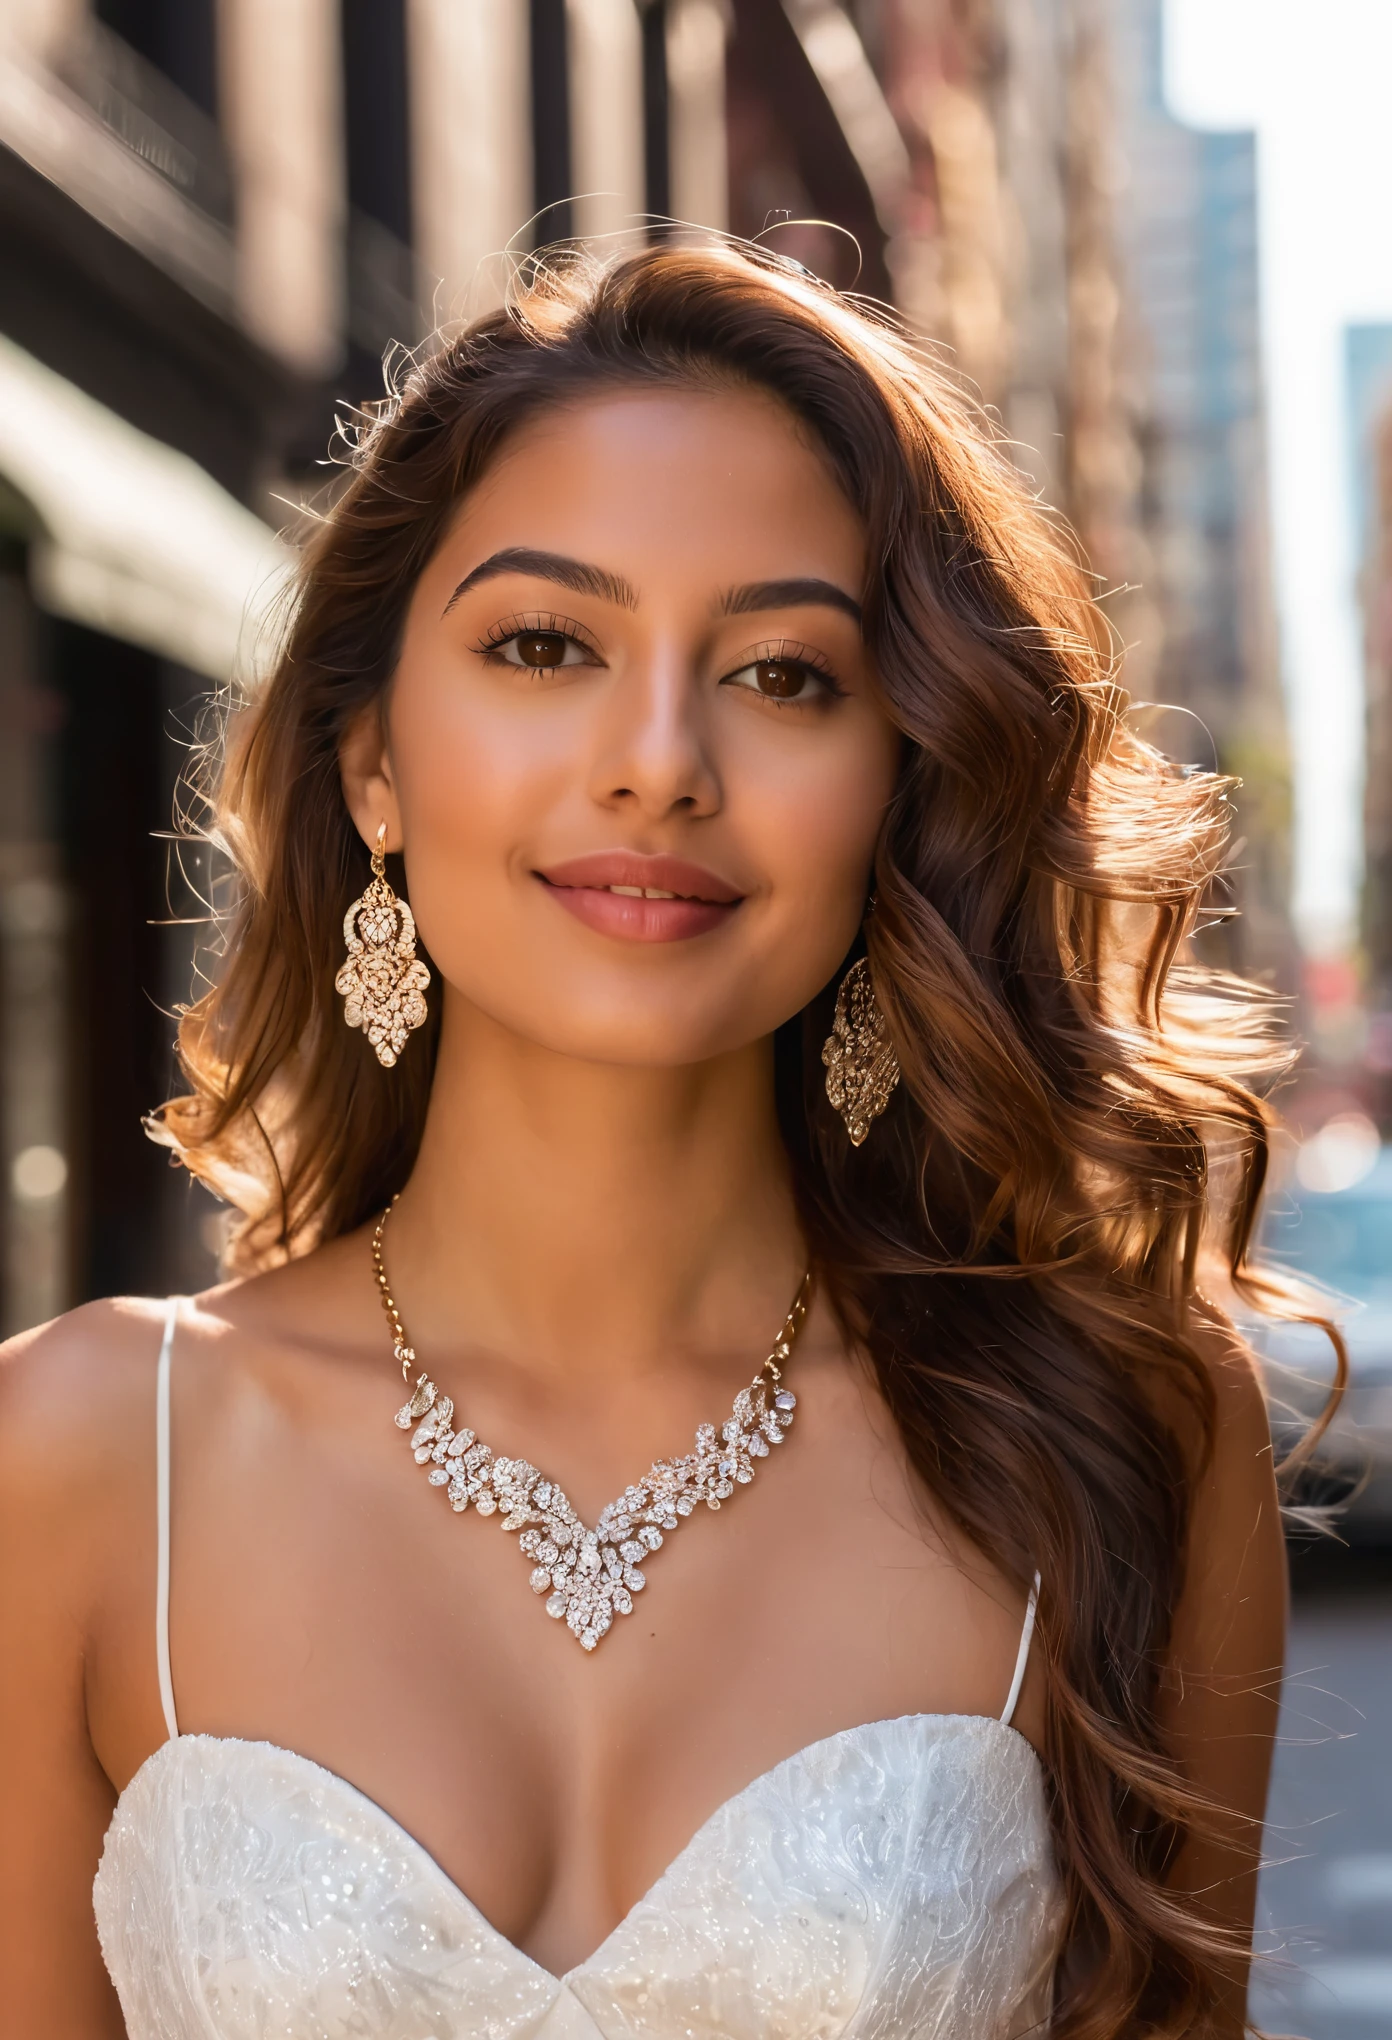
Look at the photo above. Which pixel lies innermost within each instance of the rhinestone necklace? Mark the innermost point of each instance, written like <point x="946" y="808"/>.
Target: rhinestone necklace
<point x="590" y="1576"/>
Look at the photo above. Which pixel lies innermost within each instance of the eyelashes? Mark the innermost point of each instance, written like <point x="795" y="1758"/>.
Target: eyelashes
<point x="783" y="671"/>
<point x="765" y="669"/>
<point x="539" y="624"/>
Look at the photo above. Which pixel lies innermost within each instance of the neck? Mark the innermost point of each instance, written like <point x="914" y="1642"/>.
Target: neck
<point x="594" y="1217"/>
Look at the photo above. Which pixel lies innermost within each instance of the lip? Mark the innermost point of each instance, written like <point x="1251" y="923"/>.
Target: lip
<point x="581" y="885"/>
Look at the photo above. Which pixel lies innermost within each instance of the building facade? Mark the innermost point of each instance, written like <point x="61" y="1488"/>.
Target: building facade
<point x="1186" y="223"/>
<point x="1006" y="250"/>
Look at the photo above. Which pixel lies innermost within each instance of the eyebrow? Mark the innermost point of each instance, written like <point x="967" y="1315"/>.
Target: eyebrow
<point x="791" y="594"/>
<point x="580" y="578"/>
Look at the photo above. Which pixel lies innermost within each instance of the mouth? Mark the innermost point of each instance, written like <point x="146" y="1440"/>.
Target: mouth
<point x="641" y="899"/>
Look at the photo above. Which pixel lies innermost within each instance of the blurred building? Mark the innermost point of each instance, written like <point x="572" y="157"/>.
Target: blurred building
<point x="218" y="214"/>
<point x="1368" y="359"/>
<point x="1187" y="231"/>
<point x="1004" y="247"/>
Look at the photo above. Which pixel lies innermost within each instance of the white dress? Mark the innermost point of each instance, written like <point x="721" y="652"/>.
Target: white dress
<point x="895" y="1880"/>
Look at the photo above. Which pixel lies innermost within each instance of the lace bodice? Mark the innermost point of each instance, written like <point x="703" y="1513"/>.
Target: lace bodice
<point x="891" y="1881"/>
<point x="896" y="1880"/>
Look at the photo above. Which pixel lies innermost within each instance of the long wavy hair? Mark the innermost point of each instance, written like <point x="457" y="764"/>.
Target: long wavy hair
<point x="1017" y="1248"/>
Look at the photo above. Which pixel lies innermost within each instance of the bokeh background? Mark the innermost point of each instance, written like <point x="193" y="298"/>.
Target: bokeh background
<point x="1150" y="233"/>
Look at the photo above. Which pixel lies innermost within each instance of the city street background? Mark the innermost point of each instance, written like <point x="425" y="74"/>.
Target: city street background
<point x="1149" y="234"/>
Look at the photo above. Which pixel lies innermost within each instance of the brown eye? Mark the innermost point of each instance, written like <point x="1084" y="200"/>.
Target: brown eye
<point x="789" y="679"/>
<point x="540" y="648"/>
<point x="779" y="678"/>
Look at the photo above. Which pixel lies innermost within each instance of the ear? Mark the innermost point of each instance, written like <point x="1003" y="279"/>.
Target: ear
<point x="369" y="789"/>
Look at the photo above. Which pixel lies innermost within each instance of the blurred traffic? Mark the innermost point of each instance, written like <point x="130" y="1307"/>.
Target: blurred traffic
<point x="1332" y="1223"/>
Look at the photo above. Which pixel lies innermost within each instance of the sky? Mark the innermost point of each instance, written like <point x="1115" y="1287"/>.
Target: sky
<point x="1316" y="84"/>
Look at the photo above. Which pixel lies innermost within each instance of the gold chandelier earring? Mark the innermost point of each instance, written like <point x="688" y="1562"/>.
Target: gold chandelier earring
<point x="861" y="1066"/>
<point x="383" y="981"/>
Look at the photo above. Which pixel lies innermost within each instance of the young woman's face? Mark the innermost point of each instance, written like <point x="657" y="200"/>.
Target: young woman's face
<point x="636" y="756"/>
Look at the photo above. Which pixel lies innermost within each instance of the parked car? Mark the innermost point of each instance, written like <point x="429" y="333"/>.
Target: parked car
<point x="1342" y="1238"/>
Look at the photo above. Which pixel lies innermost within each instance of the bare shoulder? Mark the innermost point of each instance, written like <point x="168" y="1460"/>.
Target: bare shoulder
<point x="1220" y="1696"/>
<point x="1235" y="1577"/>
<point x="77" y="1438"/>
<point x="77" y="1394"/>
<point x="76" y="1385"/>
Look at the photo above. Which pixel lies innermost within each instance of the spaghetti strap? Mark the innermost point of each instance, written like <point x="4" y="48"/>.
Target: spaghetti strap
<point x="166" y="1354"/>
<point x="1022" y="1655"/>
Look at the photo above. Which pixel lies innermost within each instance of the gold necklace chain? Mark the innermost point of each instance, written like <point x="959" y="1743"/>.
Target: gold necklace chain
<point x="402" y="1349"/>
<point x="590" y="1576"/>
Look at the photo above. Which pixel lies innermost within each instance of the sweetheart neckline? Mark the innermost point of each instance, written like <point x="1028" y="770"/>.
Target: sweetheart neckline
<point x="438" y="1872"/>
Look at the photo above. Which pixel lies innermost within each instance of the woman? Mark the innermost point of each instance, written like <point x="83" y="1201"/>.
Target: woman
<point x="797" y="976"/>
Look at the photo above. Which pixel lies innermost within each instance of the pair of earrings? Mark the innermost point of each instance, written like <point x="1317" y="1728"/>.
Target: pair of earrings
<point x="382" y="985"/>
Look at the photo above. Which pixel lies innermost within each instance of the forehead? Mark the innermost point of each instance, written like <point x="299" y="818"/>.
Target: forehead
<point x="723" y="481"/>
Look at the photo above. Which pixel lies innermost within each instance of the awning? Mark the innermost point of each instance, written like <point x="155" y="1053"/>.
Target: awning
<point x="135" y="539"/>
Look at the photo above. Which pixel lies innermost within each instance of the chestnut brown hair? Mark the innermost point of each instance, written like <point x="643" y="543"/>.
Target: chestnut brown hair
<point x="1016" y="1247"/>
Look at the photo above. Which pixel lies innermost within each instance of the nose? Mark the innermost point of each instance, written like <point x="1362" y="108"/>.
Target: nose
<point x="653" y="752"/>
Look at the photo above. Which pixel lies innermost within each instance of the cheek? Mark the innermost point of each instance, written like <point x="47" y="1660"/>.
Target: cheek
<point x="814" y="825"/>
<point x="817" y="823"/>
<point x="474" y="777"/>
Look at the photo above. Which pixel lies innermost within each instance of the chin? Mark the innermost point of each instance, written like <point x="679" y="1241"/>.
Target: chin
<point x="615" y="1027"/>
